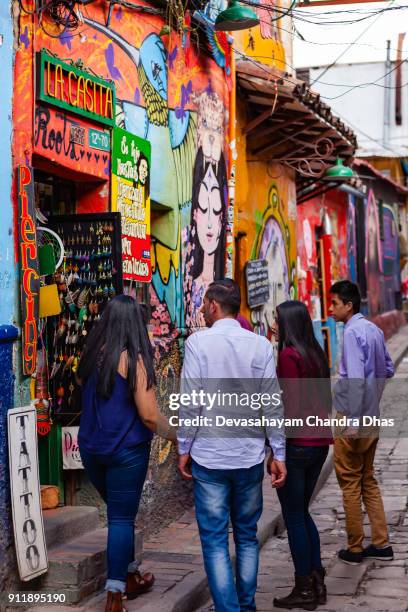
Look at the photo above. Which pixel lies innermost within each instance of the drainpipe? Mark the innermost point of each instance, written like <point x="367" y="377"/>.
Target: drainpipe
<point x="230" y="255"/>
<point x="398" y="81"/>
<point x="387" y="97"/>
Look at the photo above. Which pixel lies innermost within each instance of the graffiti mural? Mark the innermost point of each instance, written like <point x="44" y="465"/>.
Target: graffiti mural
<point x="392" y="283"/>
<point x="268" y="18"/>
<point x="166" y="94"/>
<point x="205" y="237"/>
<point x="265" y="43"/>
<point x="351" y="239"/>
<point x="273" y="245"/>
<point x="373" y="259"/>
<point x="162" y="96"/>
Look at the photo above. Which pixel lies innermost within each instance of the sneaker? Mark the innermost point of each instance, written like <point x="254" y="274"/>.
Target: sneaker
<point x="351" y="558"/>
<point x="382" y="554"/>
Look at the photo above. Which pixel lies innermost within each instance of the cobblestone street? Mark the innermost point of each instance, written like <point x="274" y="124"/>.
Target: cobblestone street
<point x="373" y="585"/>
<point x="174" y="554"/>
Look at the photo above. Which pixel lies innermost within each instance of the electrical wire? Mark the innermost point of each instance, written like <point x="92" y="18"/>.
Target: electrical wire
<point x="358" y="129"/>
<point x="360" y="85"/>
<point x="301" y="37"/>
<point x="306" y="17"/>
<point x="347" y="48"/>
<point x="346" y="121"/>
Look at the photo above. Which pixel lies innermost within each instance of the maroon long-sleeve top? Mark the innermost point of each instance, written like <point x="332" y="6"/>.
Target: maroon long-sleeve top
<point x="306" y="397"/>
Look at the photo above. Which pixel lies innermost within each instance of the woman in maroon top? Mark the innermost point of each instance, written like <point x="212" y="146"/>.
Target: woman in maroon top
<point x="304" y="376"/>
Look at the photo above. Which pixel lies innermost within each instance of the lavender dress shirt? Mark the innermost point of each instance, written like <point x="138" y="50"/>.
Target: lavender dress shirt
<point x="364" y="366"/>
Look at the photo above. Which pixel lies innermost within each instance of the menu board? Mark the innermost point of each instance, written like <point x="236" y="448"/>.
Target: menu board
<point x="257" y="282"/>
<point x="131" y="166"/>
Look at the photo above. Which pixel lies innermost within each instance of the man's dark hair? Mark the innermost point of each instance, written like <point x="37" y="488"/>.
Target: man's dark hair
<point x="226" y="292"/>
<point x="347" y="292"/>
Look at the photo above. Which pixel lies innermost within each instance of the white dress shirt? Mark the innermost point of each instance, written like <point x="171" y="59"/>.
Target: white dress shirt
<point x="226" y="351"/>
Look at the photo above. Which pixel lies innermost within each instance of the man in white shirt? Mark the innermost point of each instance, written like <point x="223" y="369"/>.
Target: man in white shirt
<point x="228" y="468"/>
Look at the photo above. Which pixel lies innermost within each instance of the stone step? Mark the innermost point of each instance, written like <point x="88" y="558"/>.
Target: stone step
<point x="77" y="568"/>
<point x="69" y="522"/>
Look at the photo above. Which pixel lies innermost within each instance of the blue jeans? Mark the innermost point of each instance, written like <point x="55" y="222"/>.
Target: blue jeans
<point x="304" y="464"/>
<point x="119" y="479"/>
<point x="219" y="495"/>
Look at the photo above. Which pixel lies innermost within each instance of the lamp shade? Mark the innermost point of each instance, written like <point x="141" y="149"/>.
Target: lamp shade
<point x="236" y="17"/>
<point x="339" y="172"/>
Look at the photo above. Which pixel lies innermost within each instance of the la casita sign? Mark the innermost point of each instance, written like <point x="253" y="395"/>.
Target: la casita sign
<point x="75" y="90"/>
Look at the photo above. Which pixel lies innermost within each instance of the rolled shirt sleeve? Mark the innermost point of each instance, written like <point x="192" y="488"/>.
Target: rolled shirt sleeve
<point x="273" y="411"/>
<point x="389" y="365"/>
<point x="353" y="361"/>
<point x="190" y="380"/>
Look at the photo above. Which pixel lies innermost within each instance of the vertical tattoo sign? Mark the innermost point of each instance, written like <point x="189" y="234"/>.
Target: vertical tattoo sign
<point x="131" y="197"/>
<point x="30" y="281"/>
<point x="28" y="524"/>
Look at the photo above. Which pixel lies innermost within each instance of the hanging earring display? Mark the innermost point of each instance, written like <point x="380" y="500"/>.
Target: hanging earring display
<point x="90" y="275"/>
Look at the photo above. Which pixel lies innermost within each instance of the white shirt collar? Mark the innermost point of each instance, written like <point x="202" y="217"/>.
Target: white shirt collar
<point x="227" y="322"/>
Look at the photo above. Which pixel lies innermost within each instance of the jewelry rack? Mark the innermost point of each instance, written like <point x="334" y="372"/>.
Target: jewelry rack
<point x="90" y="275"/>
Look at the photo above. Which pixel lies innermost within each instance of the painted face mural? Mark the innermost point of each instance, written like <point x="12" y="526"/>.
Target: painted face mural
<point x="208" y="212"/>
<point x="205" y="239"/>
<point x="273" y="244"/>
<point x="373" y="256"/>
<point x="206" y="244"/>
<point x="273" y="249"/>
<point x="143" y="170"/>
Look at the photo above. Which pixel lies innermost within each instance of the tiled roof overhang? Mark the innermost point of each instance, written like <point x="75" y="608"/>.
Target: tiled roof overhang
<point x="289" y="123"/>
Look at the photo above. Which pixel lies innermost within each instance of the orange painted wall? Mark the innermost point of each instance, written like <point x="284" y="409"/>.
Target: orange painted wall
<point x="265" y="227"/>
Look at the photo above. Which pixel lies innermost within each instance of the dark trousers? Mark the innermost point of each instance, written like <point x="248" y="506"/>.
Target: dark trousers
<point x="304" y="464"/>
<point x="119" y="479"/>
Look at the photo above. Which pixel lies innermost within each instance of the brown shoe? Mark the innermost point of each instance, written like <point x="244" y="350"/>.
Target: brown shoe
<point x="138" y="583"/>
<point x="114" y="602"/>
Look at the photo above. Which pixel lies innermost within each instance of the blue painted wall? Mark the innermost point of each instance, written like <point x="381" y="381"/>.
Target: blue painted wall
<point x="7" y="267"/>
<point x="8" y="333"/>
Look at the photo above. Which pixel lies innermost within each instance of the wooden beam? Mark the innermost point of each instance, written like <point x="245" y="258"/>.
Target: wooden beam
<point x="290" y="136"/>
<point x="257" y="121"/>
<point x="277" y="127"/>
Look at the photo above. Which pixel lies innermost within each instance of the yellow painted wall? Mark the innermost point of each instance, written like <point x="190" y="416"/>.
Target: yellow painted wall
<point x="265" y="194"/>
<point x="393" y="165"/>
<point x="269" y="43"/>
<point x="264" y="227"/>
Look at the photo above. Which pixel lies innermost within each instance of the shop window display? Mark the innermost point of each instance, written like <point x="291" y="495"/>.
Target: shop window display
<point x="90" y="275"/>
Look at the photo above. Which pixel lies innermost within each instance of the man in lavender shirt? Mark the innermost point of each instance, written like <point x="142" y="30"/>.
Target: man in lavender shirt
<point x="227" y="470"/>
<point x="365" y="364"/>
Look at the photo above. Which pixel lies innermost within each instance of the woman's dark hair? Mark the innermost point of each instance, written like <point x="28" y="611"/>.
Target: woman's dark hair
<point x="121" y="327"/>
<point x="347" y="292"/>
<point x="200" y="170"/>
<point x="296" y="330"/>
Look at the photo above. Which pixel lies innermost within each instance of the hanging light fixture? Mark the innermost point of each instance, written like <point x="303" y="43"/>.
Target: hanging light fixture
<point x="236" y="17"/>
<point x="339" y="172"/>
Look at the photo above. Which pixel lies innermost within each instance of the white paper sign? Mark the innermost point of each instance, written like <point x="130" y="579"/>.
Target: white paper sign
<point x="28" y="524"/>
<point x="71" y="458"/>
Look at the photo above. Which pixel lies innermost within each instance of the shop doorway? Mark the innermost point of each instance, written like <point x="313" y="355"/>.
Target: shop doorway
<point x="80" y="285"/>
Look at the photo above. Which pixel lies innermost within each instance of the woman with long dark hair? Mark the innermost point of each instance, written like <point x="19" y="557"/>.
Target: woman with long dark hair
<point x="304" y="376"/>
<point x="119" y="414"/>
